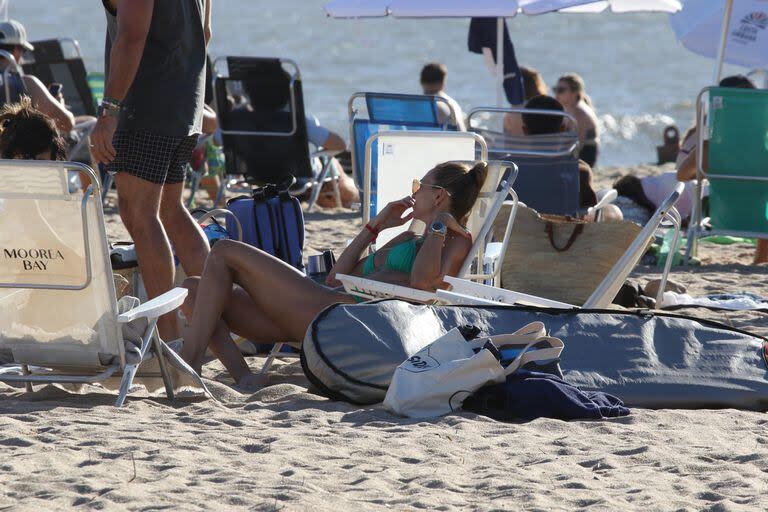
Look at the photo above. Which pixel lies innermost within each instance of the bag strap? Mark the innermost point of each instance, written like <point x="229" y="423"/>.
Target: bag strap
<point x="550" y="229"/>
<point x="530" y="354"/>
<point x="226" y="213"/>
<point x="526" y="334"/>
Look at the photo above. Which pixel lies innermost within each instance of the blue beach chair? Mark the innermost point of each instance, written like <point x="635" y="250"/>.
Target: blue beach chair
<point x="548" y="179"/>
<point x="389" y="112"/>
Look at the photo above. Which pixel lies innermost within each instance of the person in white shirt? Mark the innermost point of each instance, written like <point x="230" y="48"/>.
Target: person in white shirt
<point x="433" y="77"/>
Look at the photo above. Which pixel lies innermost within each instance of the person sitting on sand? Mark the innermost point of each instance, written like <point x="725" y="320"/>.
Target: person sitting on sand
<point x="432" y="79"/>
<point x="533" y="85"/>
<point x="248" y="292"/>
<point x="540" y="124"/>
<point x="570" y="91"/>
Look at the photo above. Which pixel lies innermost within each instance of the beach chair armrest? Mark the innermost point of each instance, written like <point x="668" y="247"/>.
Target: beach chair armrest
<point x="156" y="307"/>
<point x="371" y="289"/>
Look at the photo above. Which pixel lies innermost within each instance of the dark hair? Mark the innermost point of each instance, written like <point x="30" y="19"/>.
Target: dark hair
<point x="632" y="187"/>
<point x="533" y="83"/>
<point x="541" y="124"/>
<point x="26" y="132"/>
<point x="737" y="81"/>
<point x="434" y="73"/>
<point x="463" y="183"/>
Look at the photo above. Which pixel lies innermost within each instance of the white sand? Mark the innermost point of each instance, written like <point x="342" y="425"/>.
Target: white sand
<point x="288" y="448"/>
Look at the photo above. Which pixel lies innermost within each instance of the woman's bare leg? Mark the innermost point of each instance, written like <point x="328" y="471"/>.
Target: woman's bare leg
<point x="278" y="292"/>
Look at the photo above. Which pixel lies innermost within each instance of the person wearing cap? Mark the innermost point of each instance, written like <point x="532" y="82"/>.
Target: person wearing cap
<point x="13" y="39"/>
<point x="147" y="128"/>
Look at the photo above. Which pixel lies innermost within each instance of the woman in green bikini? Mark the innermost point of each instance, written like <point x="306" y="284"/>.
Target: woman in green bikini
<point x="250" y="293"/>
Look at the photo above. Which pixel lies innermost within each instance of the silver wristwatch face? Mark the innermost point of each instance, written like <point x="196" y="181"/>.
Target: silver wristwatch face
<point x="439" y="227"/>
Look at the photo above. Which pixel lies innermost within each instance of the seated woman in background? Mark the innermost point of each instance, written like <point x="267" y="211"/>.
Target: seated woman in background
<point x="571" y="93"/>
<point x="28" y="134"/>
<point x="263" y="299"/>
<point x="533" y="85"/>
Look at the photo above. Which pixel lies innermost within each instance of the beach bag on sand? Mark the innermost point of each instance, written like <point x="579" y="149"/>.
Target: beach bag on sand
<point x="272" y="220"/>
<point x="560" y="258"/>
<point x="436" y="380"/>
<point x="647" y="359"/>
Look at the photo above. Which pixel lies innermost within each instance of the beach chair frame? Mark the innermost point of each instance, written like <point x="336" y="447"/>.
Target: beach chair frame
<point x="150" y="310"/>
<point x="565" y="153"/>
<point x="468" y="293"/>
<point x="696" y="225"/>
<point x="328" y="172"/>
<point x="353" y="113"/>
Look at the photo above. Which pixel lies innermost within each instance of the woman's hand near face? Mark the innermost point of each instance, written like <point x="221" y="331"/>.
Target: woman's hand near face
<point x="392" y="214"/>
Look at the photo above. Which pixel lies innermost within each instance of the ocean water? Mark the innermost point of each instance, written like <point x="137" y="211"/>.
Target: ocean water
<point x="639" y="77"/>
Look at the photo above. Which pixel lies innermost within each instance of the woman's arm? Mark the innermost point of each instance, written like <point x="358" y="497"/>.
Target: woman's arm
<point x="439" y="256"/>
<point x="391" y="216"/>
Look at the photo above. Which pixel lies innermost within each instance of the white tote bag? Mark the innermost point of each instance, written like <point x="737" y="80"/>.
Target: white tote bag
<point x="436" y="380"/>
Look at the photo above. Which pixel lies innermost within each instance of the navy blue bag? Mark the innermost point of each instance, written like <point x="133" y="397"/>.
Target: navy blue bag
<point x="272" y="221"/>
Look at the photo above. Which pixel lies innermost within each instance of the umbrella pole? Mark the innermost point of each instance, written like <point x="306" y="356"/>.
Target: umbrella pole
<point x="500" y="62"/>
<point x="723" y="41"/>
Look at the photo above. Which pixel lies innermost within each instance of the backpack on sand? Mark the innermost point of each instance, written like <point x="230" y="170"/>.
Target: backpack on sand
<point x="272" y="221"/>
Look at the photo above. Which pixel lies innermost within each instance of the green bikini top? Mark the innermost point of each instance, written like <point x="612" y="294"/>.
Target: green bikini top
<point x="399" y="258"/>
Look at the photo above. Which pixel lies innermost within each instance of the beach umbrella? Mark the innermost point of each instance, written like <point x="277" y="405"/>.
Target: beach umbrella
<point x="499" y="9"/>
<point x="733" y="31"/>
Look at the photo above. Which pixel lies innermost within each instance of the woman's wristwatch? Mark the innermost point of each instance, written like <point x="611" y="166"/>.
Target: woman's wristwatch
<point x="438" y="228"/>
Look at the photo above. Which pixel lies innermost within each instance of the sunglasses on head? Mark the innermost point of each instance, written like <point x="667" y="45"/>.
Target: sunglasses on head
<point x="417" y="184"/>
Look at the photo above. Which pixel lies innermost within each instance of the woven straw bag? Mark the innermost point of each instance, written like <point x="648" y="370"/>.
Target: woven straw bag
<point x="560" y="258"/>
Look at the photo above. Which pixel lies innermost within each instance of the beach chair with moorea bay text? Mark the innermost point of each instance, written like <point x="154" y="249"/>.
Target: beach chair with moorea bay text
<point x="60" y="321"/>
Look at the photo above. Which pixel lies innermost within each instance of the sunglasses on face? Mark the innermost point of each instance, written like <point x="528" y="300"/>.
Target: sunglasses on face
<point x="417" y="184"/>
<point x="560" y="89"/>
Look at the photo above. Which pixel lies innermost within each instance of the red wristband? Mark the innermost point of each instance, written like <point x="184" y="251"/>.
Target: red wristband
<point x="374" y="231"/>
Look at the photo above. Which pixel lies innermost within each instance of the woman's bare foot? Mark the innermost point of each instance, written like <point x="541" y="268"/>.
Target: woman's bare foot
<point x="251" y="383"/>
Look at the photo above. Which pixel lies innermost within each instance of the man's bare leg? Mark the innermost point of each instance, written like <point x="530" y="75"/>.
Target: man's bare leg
<point x="139" y="204"/>
<point x="188" y="239"/>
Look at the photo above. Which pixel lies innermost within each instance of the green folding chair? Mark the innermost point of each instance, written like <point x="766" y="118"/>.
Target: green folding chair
<point x="735" y="124"/>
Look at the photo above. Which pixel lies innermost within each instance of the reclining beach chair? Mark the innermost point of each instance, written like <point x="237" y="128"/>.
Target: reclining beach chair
<point x="548" y="179"/>
<point x="468" y="293"/>
<point x="734" y="122"/>
<point x="390" y="112"/>
<point x="265" y="137"/>
<point x="399" y="155"/>
<point x="60" y="321"/>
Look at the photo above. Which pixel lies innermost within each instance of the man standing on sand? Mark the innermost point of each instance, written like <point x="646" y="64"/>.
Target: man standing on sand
<point x="147" y="128"/>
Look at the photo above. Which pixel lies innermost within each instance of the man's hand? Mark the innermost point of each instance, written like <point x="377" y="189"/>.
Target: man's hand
<point x="101" y="139"/>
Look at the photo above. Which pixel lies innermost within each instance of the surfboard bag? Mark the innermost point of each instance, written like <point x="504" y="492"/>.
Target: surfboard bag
<point x="652" y="360"/>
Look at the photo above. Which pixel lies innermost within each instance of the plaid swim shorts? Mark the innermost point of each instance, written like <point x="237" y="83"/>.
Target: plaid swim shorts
<point x="156" y="158"/>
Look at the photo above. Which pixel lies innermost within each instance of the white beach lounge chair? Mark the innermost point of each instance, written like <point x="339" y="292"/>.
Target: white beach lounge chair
<point x="60" y="321"/>
<point x="479" y="264"/>
<point x="469" y="293"/>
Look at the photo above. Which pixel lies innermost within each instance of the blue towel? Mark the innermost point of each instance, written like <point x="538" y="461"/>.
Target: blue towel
<point x="483" y="34"/>
<point x="529" y="395"/>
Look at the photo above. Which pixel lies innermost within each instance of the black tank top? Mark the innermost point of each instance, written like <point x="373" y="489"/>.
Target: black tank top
<point x="166" y="96"/>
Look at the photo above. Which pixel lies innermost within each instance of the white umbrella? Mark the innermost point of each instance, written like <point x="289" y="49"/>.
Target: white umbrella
<point x="733" y="31"/>
<point x="488" y="9"/>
